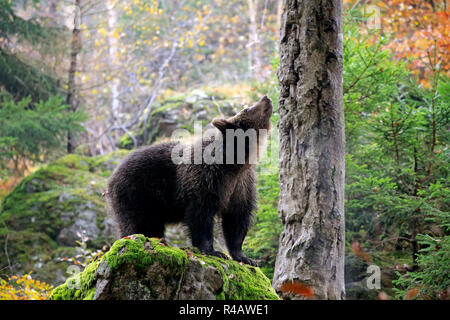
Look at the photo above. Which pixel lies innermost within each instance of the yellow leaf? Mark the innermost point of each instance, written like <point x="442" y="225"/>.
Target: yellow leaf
<point x="116" y="35"/>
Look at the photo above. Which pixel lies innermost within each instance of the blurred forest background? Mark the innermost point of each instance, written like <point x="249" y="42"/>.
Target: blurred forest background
<point x="82" y="82"/>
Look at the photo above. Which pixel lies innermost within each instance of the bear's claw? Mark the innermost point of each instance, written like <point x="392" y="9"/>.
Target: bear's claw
<point x="216" y="253"/>
<point x="242" y="258"/>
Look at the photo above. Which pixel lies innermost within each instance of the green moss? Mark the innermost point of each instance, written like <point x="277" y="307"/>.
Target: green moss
<point x="188" y="105"/>
<point x="125" y="142"/>
<point x="167" y="105"/>
<point x="77" y="287"/>
<point x="139" y="253"/>
<point x="31" y="215"/>
<point x="74" y="161"/>
<point x="106" y="163"/>
<point x="241" y="282"/>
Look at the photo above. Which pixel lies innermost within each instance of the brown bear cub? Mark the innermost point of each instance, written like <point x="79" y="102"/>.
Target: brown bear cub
<point x="149" y="190"/>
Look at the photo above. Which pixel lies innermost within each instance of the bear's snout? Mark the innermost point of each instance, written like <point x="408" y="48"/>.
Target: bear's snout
<point x="264" y="105"/>
<point x="267" y="107"/>
<point x="266" y="98"/>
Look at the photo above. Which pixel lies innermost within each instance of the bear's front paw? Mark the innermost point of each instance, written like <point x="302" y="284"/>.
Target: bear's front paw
<point x="249" y="261"/>
<point x="216" y="254"/>
<point x="242" y="258"/>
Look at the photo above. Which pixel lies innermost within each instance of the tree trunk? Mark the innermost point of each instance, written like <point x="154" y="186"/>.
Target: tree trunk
<point x="74" y="51"/>
<point x="114" y="63"/>
<point x="312" y="151"/>
<point x="254" y="51"/>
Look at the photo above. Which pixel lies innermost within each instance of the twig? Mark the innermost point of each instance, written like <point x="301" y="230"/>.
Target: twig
<point x="157" y="87"/>
<point x="124" y="129"/>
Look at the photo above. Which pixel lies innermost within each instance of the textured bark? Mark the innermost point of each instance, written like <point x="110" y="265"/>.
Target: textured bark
<point x="312" y="149"/>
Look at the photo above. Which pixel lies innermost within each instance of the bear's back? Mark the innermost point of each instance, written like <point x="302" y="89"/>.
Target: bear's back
<point x="145" y="174"/>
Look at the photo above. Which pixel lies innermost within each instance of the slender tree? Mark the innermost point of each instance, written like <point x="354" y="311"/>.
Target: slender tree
<point x="312" y="150"/>
<point x="74" y="51"/>
<point x="254" y="52"/>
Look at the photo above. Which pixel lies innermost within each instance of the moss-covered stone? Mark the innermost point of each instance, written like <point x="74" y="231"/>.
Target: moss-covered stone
<point x="40" y="218"/>
<point x="137" y="267"/>
<point x="179" y="111"/>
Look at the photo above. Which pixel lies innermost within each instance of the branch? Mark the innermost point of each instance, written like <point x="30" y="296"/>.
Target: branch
<point x="124" y="129"/>
<point x="157" y="87"/>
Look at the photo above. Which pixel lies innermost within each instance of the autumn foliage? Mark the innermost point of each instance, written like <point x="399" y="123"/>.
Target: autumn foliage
<point x="418" y="32"/>
<point x="24" y="288"/>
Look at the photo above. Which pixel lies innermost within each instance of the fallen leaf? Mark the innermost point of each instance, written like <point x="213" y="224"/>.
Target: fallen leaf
<point x="412" y="293"/>
<point x="189" y="253"/>
<point x="297" y="288"/>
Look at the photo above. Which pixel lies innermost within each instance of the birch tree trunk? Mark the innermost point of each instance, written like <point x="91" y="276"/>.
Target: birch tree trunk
<point x="114" y="63"/>
<point x="312" y="150"/>
<point x="254" y="54"/>
<point x="74" y="51"/>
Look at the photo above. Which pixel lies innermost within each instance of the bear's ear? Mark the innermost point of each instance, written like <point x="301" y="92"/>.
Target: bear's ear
<point x="223" y="124"/>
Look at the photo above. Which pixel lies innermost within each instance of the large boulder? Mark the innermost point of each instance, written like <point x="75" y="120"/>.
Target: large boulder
<point x="179" y="112"/>
<point x="140" y="268"/>
<point x="46" y="217"/>
<point x="51" y="211"/>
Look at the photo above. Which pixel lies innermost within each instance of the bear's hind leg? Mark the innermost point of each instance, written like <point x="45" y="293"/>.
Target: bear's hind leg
<point x="132" y="222"/>
<point x="153" y="230"/>
<point x="236" y="221"/>
<point x="151" y="225"/>
<point x="125" y="222"/>
<point x="201" y="225"/>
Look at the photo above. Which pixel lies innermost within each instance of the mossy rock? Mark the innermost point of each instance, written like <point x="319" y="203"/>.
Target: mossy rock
<point x="41" y="218"/>
<point x="179" y="112"/>
<point x="140" y="268"/>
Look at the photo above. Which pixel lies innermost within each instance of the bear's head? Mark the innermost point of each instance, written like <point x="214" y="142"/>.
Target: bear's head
<point x="245" y="132"/>
<point x="255" y="117"/>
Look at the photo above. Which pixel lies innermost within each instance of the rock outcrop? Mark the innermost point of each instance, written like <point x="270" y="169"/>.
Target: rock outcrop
<point x="180" y="111"/>
<point x="43" y="220"/>
<point x="140" y="268"/>
<point x="51" y="210"/>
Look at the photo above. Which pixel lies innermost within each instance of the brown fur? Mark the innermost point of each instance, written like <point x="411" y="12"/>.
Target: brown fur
<point x="148" y="190"/>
